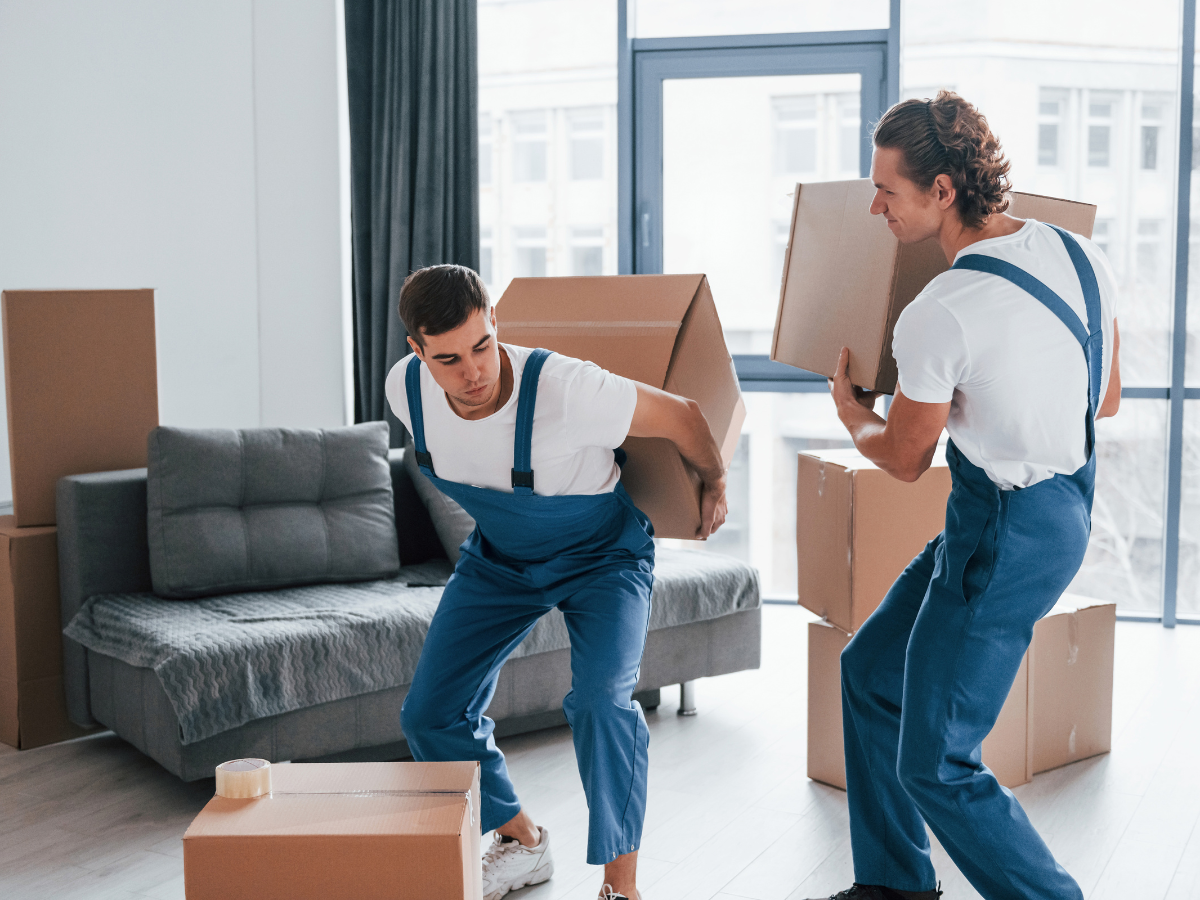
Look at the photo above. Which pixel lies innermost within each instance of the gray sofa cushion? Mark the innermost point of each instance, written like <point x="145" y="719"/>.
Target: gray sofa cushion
<point x="451" y="522"/>
<point x="268" y="507"/>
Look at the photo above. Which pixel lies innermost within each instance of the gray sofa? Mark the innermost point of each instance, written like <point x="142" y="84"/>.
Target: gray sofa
<point x="706" y="621"/>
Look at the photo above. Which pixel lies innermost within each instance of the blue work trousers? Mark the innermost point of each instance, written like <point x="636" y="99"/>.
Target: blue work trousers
<point x="486" y="611"/>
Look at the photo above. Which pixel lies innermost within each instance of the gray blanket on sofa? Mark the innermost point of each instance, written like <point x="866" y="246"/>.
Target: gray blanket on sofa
<point x="228" y="660"/>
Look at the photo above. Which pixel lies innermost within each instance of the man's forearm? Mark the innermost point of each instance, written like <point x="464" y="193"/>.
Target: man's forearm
<point x="696" y="444"/>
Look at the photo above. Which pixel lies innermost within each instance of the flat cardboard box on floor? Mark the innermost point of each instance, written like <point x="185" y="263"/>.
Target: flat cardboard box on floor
<point x="82" y="385"/>
<point x="1007" y="751"/>
<point x="846" y="278"/>
<point x="32" y="703"/>
<point x="342" y="831"/>
<point x="661" y="330"/>
<point x="857" y="528"/>
<point x="1072" y="692"/>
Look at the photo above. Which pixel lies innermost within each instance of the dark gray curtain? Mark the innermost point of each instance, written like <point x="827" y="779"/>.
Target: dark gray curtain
<point x="413" y="91"/>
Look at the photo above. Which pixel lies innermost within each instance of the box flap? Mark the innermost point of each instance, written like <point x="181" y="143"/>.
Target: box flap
<point x="1070" y="603"/>
<point x="851" y="460"/>
<point x="630" y="327"/>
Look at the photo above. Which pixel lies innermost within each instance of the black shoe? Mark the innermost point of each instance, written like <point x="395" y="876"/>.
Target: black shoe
<point x="877" y="892"/>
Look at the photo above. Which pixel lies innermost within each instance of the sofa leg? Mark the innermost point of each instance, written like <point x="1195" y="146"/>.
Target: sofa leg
<point x="687" y="698"/>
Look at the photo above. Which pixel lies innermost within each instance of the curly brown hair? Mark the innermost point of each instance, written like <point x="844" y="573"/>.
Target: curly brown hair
<point x="949" y="136"/>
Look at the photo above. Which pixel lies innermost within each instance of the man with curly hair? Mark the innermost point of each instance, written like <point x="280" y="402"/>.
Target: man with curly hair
<point x="1014" y="351"/>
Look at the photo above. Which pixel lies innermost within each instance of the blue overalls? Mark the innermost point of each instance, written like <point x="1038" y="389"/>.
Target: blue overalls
<point x="591" y="556"/>
<point x="923" y="681"/>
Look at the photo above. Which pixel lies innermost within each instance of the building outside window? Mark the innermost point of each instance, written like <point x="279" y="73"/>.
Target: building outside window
<point x="1150" y="269"/>
<point x="529" y="145"/>
<point x="587" y="251"/>
<point x="586" y="129"/>
<point x="1152" y="114"/>
<point x="485" y="256"/>
<point x="485" y="149"/>
<point x="529" y="248"/>
<point x="795" y="120"/>
<point x="1051" y="110"/>
<point x="1099" y="130"/>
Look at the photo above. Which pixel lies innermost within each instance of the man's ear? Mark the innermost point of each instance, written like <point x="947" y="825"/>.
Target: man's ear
<point x="492" y="313"/>
<point x="945" y="191"/>
<point x="416" y="348"/>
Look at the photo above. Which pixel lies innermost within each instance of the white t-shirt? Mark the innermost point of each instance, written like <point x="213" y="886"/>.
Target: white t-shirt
<point x="1015" y="376"/>
<point x="582" y="413"/>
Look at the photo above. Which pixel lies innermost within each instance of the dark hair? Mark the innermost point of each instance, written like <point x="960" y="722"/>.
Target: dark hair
<point x="437" y="299"/>
<point x="949" y="136"/>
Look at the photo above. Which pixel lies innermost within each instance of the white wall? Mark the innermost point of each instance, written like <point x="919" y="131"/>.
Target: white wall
<point x="192" y="148"/>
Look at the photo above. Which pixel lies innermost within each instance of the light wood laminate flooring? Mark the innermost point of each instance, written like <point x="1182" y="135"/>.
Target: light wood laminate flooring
<point x="730" y="815"/>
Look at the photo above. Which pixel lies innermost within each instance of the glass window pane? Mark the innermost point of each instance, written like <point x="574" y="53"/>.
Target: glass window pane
<point x="1188" y="596"/>
<point x="485" y="256"/>
<point x="548" y="81"/>
<point x="530" y="246"/>
<point x="747" y="141"/>
<point x="1124" y="558"/>
<point x="1070" y="118"/>
<point x="761" y="529"/>
<point x="678" y="18"/>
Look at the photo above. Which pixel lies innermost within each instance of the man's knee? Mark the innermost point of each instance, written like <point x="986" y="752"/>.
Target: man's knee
<point x="917" y="767"/>
<point x="597" y="702"/>
<point x="856" y="664"/>
<point x="421" y="716"/>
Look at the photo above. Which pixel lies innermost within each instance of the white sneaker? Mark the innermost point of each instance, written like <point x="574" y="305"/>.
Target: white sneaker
<point x="510" y="865"/>
<point x="607" y="893"/>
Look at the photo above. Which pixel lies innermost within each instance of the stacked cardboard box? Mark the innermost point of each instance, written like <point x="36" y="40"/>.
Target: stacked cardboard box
<point x="368" y="831"/>
<point x="856" y="530"/>
<point x="82" y="390"/>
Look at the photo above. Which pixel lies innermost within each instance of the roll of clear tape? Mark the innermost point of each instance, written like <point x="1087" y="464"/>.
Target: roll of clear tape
<point x="244" y="779"/>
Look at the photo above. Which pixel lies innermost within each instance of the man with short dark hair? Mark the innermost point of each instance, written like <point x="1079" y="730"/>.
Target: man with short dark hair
<point x="524" y="440"/>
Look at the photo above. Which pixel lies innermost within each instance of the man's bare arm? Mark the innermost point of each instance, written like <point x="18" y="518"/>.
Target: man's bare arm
<point x="1112" y="397"/>
<point x="679" y="420"/>
<point x="904" y="443"/>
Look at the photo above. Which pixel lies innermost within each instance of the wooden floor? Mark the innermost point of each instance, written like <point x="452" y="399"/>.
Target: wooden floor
<point x="731" y="814"/>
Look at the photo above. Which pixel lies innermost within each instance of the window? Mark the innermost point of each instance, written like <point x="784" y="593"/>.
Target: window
<point x="587" y="251"/>
<point x="1150" y="259"/>
<point x="586" y="128"/>
<point x="1102" y="234"/>
<point x="485" y="149"/>
<point x="779" y="248"/>
<point x="485" y="255"/>
<point x="530" y="255"/>
<point x="795" y="120"/>
<point x="1099" y="131"/>
<point x="849" y="133"/>
<point x="1051" y="110"/>
<point x="529" y="146"/>
<point x="1152" y="114"/>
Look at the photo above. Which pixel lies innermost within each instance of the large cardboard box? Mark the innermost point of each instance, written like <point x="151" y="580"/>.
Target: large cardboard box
<point x="1007" y="751"/>
<point x="661" y="330"/>
<point x="82" y="385"/>
<point x="32" y="703"/>
<point x="1071" y="700"/>
<point x="846" y="278"/>
<point x="857" y="528"/>
<point x="342" y="831"/>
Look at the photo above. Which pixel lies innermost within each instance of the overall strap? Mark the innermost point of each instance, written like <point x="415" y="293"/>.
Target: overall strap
<point x="412" y="387"/>
<point x="522" y="472"/>
<point x="1090" y="337"/>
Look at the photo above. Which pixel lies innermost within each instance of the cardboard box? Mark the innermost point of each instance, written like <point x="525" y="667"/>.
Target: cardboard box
<point x="1071" y="699"/>
<point x="661" y="330"/>
<point x="81" y="379"/>
<point x="32" y="703"/>
<point x="846" y="278"/>
<point x="857" y="528"/>
<point x="1007" y="751"/>
<point x="359" y="831"/>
